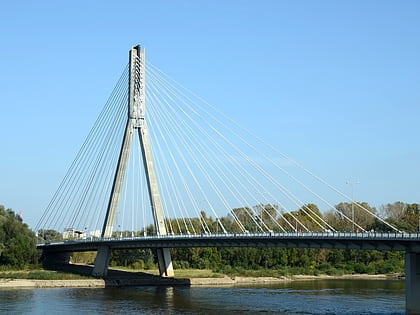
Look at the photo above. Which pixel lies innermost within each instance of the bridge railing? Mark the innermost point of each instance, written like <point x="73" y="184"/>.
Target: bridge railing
<point x="287" y="235"/>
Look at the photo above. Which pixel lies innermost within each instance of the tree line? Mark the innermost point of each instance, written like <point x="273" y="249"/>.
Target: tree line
<point x="18" y="242"/>
<point x="344" y="217"/>
<point x="403" y="216"/>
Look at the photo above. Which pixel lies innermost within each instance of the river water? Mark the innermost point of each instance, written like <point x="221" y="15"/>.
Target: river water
<point x="299" y="297"/>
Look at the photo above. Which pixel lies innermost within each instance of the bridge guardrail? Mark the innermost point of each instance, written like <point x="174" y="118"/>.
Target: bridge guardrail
<point x="286" y="235"/>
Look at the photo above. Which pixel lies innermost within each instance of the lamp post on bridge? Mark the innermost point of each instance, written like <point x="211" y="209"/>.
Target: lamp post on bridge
<point x="352" y="200"/>
<point x="418" y="216"/>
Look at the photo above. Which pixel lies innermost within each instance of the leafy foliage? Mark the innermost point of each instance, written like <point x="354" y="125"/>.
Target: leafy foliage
<point x="294" y="260"/>
<point x="45" y="236"/>
<point x="288" y="260"/>
<point x="17" y="241"/>
<point x="404" y="216"/>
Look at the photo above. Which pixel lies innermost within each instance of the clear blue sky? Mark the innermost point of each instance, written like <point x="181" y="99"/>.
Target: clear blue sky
<point x="334" y="84"/>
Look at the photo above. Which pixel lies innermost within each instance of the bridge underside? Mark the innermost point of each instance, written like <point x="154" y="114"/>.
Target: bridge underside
<point x="53" y="259"/>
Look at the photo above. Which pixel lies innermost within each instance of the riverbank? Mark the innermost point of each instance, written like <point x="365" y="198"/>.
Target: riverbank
<point x="150" y="281"/>
<point x="264" y="280"/>
<point x="32" y="283"/>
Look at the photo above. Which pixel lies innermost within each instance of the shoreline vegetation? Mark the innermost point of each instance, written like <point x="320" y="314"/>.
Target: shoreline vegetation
<point x="53" y="279"/>
<point x="207" y="266"/>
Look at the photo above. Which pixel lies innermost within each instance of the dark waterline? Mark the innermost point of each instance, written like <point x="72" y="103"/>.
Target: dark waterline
<point x="300" y="297"/>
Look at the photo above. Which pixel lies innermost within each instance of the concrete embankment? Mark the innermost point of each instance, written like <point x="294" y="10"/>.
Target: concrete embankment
<point x="235" y="280"/>
<point x="89" y="283"/>
<point x="100" y="283"/>
<point x="265" y="280"/>
<point x="157" y="281"/>
<point x="29" y="283"/>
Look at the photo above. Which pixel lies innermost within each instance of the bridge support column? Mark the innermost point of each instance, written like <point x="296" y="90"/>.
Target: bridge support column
<point x="102" y="262"/>
<point x="165" y="262"/>
<point x="412" y="283"/>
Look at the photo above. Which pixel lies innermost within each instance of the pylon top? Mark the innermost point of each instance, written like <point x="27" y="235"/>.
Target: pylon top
<point x="137" y="94"/>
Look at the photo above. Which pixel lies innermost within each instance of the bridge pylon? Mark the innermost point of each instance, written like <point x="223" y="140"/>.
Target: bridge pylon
<point x="135" y="124"/>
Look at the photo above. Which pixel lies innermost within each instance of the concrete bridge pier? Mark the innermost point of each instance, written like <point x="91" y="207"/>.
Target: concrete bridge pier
<point x="165" y="262"/>
<point x="104" y="254"/>
<point x="412" y="283"/>
<point x="102" y="262"/>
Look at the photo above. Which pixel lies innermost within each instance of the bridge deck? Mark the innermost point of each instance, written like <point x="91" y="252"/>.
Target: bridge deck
<point x="409" y="242"/>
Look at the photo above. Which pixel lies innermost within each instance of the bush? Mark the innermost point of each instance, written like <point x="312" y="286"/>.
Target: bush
<point x="389" y="266"/>
<point x="324" y="267"/>
<point x="363" y="268"/>
<point x="138" y="265"/>
<point x="150" y="264"/>
<point x="334" y="272"/>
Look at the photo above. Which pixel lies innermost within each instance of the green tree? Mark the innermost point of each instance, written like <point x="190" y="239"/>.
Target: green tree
<point x="243" y="218"/>
<point x="17" y="241"/>
<point x="267" y="216"/>
<point x="310" y="216"/>
<point x="404" y="216"/>
<point x="45" y="236"/>
<point x="341" y="219"/>
<point x="129" y="257"/>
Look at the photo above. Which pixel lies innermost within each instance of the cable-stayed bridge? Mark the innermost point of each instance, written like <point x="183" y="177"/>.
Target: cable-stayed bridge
<point x="162" y="168"/>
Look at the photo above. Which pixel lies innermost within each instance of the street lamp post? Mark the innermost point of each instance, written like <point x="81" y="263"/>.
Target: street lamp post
<point x="419" y="222"/>
<point x="352" y="200"/>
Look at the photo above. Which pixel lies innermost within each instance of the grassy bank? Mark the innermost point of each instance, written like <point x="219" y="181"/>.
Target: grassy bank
<point x="264" y="273"/>
<point x="41" y="274"/>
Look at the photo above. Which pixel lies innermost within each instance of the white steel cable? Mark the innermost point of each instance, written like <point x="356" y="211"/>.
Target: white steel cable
<point x="191" y="152"/>
<point x="192" y="120"/>
<point x="303" y="185"/>
<point x="318" y="178"/>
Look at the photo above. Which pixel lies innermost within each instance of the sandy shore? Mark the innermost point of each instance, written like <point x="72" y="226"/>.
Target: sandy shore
<point x="225" y="281"/>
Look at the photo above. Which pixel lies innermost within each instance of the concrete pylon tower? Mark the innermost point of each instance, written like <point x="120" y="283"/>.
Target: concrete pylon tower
<point x="135" y="124"/>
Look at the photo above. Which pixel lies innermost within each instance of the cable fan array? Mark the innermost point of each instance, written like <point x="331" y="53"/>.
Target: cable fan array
<point x="81" y="197"/>
<point x="214" y="176"/>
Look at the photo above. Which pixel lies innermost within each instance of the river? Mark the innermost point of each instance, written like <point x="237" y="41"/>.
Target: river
<point x="298" y="297"/>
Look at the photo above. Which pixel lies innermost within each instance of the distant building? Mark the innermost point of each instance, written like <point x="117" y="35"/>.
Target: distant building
<point x="71" y="233"/>
<point x="95" y="234"/>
